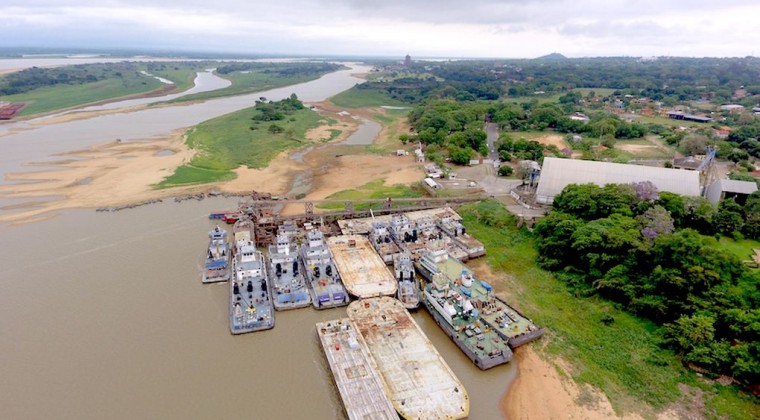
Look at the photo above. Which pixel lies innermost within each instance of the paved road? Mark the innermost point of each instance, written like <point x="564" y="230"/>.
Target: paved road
<point x="492" y="130"/>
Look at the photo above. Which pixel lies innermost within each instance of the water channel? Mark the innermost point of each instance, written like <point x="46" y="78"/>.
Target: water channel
<point x="103" y="315"/>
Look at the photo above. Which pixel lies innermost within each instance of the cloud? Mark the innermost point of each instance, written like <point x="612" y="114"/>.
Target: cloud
<point x="511" y="28"/>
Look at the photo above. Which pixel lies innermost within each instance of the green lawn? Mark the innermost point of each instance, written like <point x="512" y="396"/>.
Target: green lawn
<point x="607" y="347"/>
<point x="742" y="249"/>
<point x="360" y="98"/>
<point x="372" y="190"/>
<point x="227" y="142"/>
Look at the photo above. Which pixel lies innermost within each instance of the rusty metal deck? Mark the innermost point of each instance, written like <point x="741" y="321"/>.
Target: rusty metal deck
<point x="362" y="270"/>
<point x="417" y="380"/>
<point x="355" y="373"/>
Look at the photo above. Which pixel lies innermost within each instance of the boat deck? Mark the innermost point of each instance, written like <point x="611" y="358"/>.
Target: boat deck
<point x="362" y="270"/>
<point x="418" y="381"/>
<point x="354" y="371"/>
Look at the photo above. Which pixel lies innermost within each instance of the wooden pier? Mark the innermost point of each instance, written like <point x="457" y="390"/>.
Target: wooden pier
<point x="355" y="374"/>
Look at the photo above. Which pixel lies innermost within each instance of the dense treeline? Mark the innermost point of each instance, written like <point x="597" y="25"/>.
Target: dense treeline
<point x="35" y="77"/>
<point x="282" y="69"/>
<point x="454" y="127"/>
<point x="652" y="253"/>
<point x="511" y="116"/>
<point x="668" y="79"/>
<point x="678" y="78"/>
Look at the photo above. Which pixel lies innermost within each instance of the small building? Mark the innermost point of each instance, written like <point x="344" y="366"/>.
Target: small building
<point x="732" y="107"/>
<point x="678" y="115"/>
<point x="729" y="188"/>
<point x="432" y="184"/>
<point x="579" y="117"/>
<point x="400" y="152"/>
<point x="474" y="162"/>
<point x="690" y="163"/>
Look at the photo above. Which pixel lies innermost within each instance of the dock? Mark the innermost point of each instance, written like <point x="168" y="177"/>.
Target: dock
<point x="363" y="272"/>
<point x="417" y="380"/>
<point x="354" y="371"/>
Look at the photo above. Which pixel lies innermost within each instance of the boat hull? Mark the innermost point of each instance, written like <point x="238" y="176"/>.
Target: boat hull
<point x="480" y="362"/>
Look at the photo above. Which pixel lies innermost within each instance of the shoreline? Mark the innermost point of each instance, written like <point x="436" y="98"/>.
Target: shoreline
<point x="115" y="174"/>
<point x="540" y="391"/>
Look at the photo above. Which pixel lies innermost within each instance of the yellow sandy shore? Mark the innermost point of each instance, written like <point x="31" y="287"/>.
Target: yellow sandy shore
<point x="118" y="174"/>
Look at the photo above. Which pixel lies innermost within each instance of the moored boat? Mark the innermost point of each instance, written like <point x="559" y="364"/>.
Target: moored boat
<point x="458" y="316"/>
<point x="324" y="282"/>
<point x="408" y="287"/>
<point x="500" y="317"/>
<point x="217" y="265"/>
<point x="417" y="380"/>
<point x="381" y="240"/>
<point x="250" y="306"/>
<point x="289" y="289"/>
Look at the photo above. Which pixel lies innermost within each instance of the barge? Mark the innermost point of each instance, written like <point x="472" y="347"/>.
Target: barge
<point x="354" y="372"/>
<point x="364" y="273"/>
<point x="418" y="382"/>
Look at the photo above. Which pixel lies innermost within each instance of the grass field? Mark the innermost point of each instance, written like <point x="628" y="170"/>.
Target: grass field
<point x="360" y="98"/>
<point x="642" y="149"/>
<point x="620" y="356"/>
<point x="372" y="190"/>
<point x="742" y="248"/>
<point x="227" y="142"/>
<point x="55" y="98"/>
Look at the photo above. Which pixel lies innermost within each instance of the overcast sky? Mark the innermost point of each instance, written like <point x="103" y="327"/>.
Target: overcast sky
<point x="431" y="28"/>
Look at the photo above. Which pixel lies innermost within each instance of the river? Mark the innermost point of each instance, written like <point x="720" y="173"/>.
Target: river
<point x="103" y="315"/>
<point x="37" y="143"/>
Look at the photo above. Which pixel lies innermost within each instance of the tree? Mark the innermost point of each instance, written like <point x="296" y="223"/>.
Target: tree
<point x="694" y="144"/>
<point x="505" y="170"/>
<point x="729" y="217"/>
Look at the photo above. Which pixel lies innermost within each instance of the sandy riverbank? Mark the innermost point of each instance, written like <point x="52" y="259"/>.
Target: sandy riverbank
<point x="540" y="392"/>
<point x="117" y="174"/>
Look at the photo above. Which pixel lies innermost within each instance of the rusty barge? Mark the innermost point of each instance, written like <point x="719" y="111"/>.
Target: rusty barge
<point x="364" y="273"/>
<point x="417" y="380"/>
<point x="354" y="371"/>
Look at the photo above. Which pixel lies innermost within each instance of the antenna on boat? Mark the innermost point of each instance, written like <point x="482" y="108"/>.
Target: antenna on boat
<point x="372" y="214"/>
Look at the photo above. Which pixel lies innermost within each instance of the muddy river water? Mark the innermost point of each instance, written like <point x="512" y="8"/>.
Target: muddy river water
<point x="103" y="315"/>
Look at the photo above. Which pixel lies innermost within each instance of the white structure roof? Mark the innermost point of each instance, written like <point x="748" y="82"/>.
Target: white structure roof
<point x="716" y="189"/>
<point x="559" y="173"/>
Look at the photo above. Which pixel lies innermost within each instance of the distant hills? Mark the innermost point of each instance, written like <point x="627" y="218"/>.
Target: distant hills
<point x="552" y="56"/>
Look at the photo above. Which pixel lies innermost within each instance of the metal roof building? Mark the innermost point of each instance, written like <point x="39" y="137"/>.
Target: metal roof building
<point x="728" y="187"/>
<point x="559" y="173"/>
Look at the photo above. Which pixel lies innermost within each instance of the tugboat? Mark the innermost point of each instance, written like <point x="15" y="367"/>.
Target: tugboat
<point x="383" y="243"/>
<point x="250" y="306"/>
<point x="496" y="314"/>
<point x="290" y="291"/>
<point x="217" y="267"/>
<point x="408" y="288"/>
<point x="325" y="286"/>
<point x="459" y="317"/>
